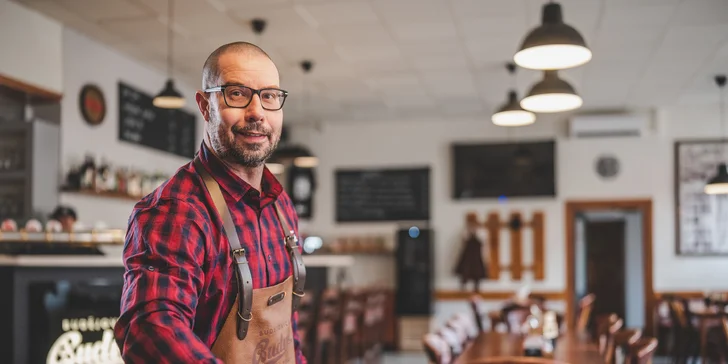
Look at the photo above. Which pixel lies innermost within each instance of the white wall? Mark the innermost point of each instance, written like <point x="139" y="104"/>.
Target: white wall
<point x="31" y="45"/>
<point x="646" y="172"/>
<point x="86" y="61"/>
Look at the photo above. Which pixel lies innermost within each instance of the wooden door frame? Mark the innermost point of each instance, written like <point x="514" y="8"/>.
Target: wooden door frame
<point x="645" y="207"/>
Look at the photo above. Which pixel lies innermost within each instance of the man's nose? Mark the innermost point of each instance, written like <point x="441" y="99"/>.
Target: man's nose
<point x="254" y="112"/>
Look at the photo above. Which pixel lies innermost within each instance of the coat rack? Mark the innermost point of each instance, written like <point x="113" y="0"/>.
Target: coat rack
<point x="515" y="225"/>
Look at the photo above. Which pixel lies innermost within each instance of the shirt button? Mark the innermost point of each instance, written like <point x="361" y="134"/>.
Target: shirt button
<point x="150" y="268"/>
<point x="270" y="257"/>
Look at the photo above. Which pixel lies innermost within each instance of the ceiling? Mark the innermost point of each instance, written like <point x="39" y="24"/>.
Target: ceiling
<point x="401" y="59"/>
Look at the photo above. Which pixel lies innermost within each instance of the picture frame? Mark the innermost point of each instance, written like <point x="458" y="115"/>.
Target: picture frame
<point x="700" y="228"/>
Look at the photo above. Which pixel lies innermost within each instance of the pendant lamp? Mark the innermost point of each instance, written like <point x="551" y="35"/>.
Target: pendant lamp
<point x="551" y="94"/>
<point x="169" y="97"/>
<point x="511" y="113"/>
<point x="552" y="45"/>
<point x="719" y="183"/>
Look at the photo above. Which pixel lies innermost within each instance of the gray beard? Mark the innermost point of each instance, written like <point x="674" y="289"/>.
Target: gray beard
<point x="248" y="155"/>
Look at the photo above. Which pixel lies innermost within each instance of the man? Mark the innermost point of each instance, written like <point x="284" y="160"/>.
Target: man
<point x="213" y="270"/>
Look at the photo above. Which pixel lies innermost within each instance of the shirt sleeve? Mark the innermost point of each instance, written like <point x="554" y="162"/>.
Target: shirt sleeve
<point x="163" y="258"/>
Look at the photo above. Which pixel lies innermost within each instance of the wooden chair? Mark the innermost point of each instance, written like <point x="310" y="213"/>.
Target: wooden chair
<point x="687" y="338"/>
<point x="476" y="305"/>
<point x="642" y="351"/>
<point x="586" y="305"/>
<point x="605" y="335"/>
<point x="437" y="349"/>
<point x="350" y="347"/>
<point x="621" y="342"/>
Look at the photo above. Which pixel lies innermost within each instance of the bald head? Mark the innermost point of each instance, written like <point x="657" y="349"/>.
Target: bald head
<point x="211" y="69"/>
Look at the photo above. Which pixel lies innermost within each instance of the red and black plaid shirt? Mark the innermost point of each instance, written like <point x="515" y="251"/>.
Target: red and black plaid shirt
<point x="179" y="280"/>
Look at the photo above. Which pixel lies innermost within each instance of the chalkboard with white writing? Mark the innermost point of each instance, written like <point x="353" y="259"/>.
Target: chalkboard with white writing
<point x="140" y="122"/>
<point x="401" y="194"/>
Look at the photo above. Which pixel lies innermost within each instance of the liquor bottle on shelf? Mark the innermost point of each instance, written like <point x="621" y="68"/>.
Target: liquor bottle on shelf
<point x="88" y="173"/>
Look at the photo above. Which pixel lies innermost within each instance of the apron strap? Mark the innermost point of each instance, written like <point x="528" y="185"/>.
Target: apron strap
<point x="299" y="270"/>
<point x="243" y="277"/>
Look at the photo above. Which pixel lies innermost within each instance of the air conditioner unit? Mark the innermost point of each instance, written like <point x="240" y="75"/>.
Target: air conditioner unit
<point x="609" y="125"/>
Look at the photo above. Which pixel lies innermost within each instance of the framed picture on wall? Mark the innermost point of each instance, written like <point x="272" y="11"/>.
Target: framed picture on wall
<point x="701" y="220"/>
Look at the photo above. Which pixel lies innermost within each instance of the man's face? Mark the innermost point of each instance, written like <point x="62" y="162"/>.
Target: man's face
<point x="243" y="136"/>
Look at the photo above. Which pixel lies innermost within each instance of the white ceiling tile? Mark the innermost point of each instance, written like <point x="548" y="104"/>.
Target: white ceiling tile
<point x="446" y="84"/>
<point x="441" y="62"/>
<point x="511" y="26"/>
<point x="702" y="12"/>
<point x="434" y="31"/>
<point x="342" y="13"/>
<point x="464" y="9"/>
<point x="136" y="29"/>
<point x="425" y="11"/>
<point x="630" y="15"/>
<point x="397" y="81"/>
<point x="95" y="10"/>
<point x="364" y="53"/>
<point x="483" y="53"/>
<point x="356" y="34"/>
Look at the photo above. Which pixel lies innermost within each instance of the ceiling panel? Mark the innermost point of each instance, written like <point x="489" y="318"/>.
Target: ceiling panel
<point x="646" y="52"/>
<point x="425" y="11"/>
<point x="342" y="12"/>
<point x="95" y="10"/>
<point x="433" y="31"/>
<point x="357" y="34"/>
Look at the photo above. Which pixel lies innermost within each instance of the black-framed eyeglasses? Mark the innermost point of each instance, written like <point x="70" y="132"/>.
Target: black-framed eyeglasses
<point x="239" y="96"/>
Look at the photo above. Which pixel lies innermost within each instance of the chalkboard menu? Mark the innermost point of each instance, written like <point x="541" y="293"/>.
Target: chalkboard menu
<point x="383" y="195"/>
<point x="140" y="122"/>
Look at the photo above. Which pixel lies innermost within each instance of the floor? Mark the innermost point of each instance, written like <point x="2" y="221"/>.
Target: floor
<point x="404" y="358"/>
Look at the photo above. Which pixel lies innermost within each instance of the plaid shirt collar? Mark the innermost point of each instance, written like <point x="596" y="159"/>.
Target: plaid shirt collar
<point x="235" y="186"/>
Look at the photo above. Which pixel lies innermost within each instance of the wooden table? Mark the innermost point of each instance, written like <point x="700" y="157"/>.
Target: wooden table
<point x="495" y="347"/>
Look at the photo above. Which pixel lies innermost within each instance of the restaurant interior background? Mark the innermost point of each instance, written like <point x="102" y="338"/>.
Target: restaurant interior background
<point x="387" y="94"/>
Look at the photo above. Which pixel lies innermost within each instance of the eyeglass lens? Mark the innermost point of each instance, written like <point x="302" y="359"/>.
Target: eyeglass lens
<point x="237" y="96"/>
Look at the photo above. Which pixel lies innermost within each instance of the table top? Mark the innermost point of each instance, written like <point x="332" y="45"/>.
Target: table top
<point x="502" y="348"/>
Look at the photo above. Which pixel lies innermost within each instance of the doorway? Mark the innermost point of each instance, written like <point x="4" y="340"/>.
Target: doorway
<point x="609" y="253"/>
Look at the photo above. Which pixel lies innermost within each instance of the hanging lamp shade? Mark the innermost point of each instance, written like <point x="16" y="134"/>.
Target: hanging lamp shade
<point x="551" y="94"/>
<point x="719" y="183"/>
<point x="512" y="114"/>
<point x="552" y="45"/>
<point x="169" y="97"/>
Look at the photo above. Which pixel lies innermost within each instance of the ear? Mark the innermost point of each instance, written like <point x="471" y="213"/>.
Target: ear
<point x="203" y="104"/>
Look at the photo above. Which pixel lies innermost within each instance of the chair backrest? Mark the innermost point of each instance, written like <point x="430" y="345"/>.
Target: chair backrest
<point x="622" y="340"/>
<point x="643" y="351"/>
<point x="452" y="339"/>
<point x="468" y="323"/>
<point x="476" y="305"/>
<point x="437" y="349"/>
<point x="586" y="304"/>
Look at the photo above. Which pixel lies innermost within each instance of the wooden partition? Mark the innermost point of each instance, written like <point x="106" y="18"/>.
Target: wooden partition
<point x="515" y="225"/>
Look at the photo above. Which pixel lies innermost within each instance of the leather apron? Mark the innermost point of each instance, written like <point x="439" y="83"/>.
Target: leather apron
<point x="258" y="328"/>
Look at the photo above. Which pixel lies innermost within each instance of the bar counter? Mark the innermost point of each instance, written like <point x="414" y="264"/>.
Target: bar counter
<point x="61" y="298"/>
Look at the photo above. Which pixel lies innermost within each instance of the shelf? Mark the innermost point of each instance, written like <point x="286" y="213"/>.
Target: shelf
<point x="12" y="175"/>
<point x="112" y="195"/>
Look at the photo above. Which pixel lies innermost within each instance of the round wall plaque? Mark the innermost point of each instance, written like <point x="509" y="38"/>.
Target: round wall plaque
<point x="607" y="166"/>
<point x="92" y="104"/>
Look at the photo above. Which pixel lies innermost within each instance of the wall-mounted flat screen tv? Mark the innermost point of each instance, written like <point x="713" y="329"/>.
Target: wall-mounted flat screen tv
<point x="498" y="170"/>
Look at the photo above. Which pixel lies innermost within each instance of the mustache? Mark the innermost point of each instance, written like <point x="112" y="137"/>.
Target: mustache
<point x="250" y="129"/>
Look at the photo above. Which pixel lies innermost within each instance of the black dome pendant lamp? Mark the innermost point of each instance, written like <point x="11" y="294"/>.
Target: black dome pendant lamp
<point x="553" y="45"/>
<point x="511" y="113"/>
<point x="169" y="97"/>
<point x="719" y="183"/>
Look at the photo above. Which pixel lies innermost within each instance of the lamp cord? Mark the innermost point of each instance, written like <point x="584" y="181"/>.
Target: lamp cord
<point x="170" y="22"/>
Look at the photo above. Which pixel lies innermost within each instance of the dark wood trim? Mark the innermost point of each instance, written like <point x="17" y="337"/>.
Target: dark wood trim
<point x="35" y="92"/>
<point x="453" y="295"/>
<point x="642" y="205"/>
<point x="681" y="294"/>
